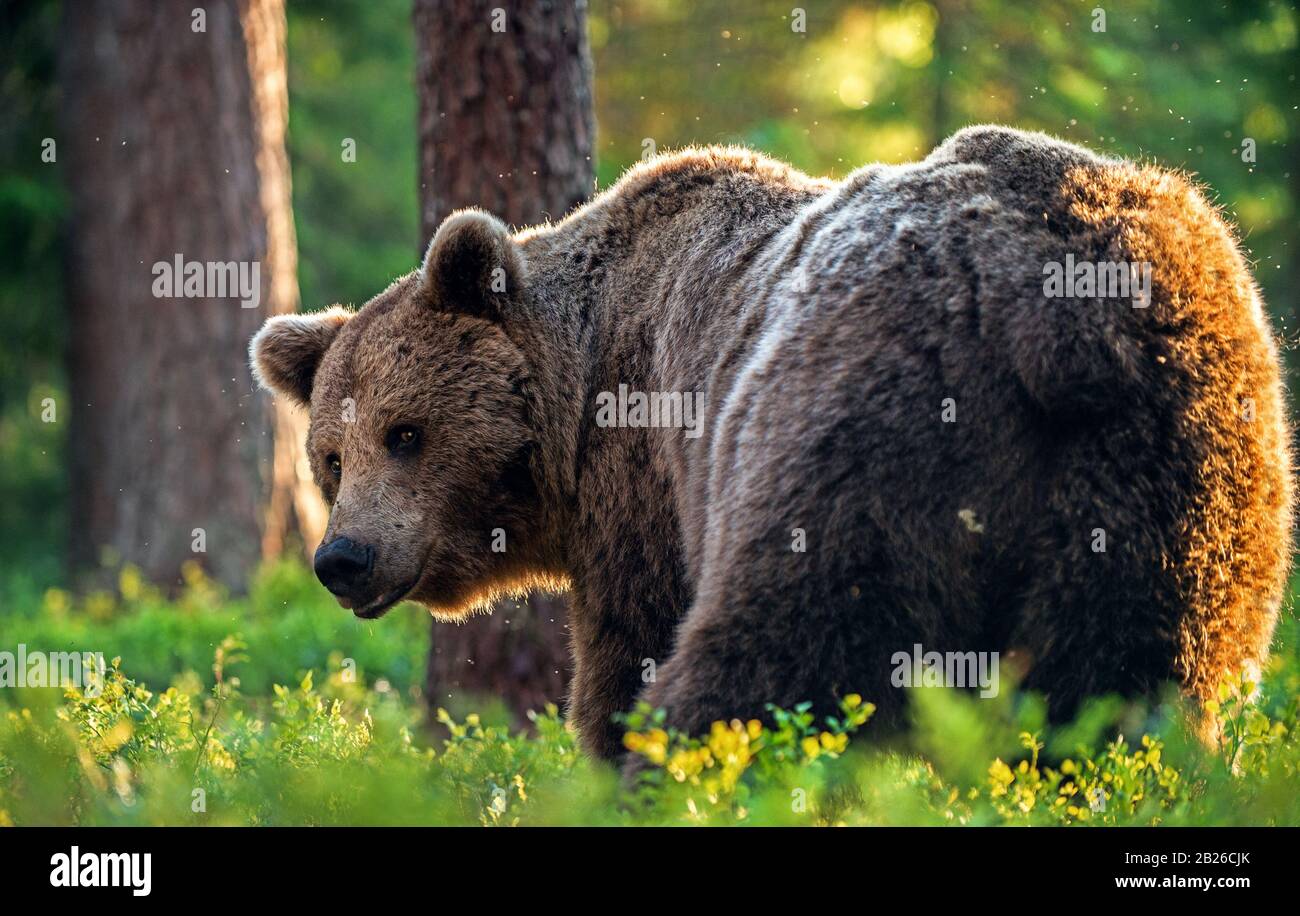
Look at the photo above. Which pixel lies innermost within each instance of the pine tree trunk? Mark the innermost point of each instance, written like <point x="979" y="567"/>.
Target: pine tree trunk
<point x="506" y="124"/>
<point x="295" y="514"/>
<point x="174" y="138"/>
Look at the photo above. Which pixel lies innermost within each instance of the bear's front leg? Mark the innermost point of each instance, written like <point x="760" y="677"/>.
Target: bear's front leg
<point x="701" y="685"/>
<point x="750" y="642"/>
<point x="612" y="654"/>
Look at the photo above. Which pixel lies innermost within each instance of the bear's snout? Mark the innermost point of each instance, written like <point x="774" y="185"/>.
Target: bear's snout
<point x="344" y="567"/>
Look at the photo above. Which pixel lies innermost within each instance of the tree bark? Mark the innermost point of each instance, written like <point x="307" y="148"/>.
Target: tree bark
<point x="507" y="124"/>
<point x="174" y="134"/>
<point x="295" y="514"/>
<point x="506" y="118"/>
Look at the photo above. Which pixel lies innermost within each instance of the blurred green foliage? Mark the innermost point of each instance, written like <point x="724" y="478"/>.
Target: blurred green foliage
<point x="271" y="710"/>
<point x="33" y="330"/>
<point x="285" y="619"/>
<point x="351" y="77"/>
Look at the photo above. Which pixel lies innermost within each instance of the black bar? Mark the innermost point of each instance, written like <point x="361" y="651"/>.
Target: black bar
<point x="382" y="865"/>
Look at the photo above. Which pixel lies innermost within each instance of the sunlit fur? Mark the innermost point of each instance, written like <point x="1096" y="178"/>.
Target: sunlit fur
<point x="826" y="323"/>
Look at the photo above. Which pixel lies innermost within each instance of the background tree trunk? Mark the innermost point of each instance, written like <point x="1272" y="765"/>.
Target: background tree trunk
<point x="507" y="124"/>
<point x="296" y="514"/>
<point x="175" y="145"/>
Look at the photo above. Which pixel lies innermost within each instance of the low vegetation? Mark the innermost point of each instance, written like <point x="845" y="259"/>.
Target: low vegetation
<point x="279" y="709"/>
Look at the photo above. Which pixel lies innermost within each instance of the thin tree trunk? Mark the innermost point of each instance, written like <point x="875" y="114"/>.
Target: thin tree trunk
<point x="174" y="139"/>
<point x="295" y="513"/>
<point x="506" y="124"/>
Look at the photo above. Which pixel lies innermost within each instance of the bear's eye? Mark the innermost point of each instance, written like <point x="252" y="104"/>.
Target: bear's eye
<point x="402" y="440"/>
<point x="335" y="464"/>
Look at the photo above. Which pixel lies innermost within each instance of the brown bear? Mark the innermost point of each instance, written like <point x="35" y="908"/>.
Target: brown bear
<point x="772" y="431"/>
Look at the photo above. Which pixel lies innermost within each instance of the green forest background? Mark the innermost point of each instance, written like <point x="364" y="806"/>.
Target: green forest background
<point x="1179" y="83"/>
<point x="285" y="710"/>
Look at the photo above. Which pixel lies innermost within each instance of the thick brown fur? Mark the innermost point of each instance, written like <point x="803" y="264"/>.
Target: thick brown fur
<point x="826" y="324"/>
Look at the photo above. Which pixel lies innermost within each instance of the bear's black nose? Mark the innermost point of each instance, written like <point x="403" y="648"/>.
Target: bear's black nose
<point x="343" y="566"/>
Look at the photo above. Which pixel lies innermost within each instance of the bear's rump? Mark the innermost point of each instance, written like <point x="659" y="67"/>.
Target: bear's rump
<point x="997" y="467"/>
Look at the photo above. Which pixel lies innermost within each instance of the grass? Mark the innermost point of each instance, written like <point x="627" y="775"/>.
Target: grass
<point x="277" y="709"/>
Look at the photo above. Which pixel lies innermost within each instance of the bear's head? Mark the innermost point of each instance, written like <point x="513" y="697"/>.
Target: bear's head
<point x="420" y="437"/>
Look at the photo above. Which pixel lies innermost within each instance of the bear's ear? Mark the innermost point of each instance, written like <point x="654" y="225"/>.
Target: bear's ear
<point x="286" y="352"/>
<point x="473" y="266"/>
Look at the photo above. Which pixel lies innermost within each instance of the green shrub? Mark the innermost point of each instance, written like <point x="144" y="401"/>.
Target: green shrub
<point x="237" y="740"/>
